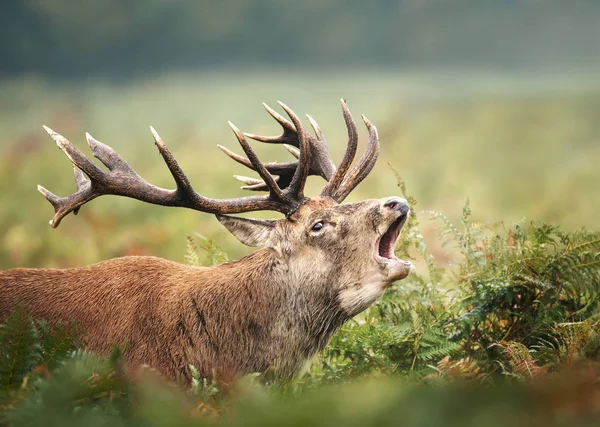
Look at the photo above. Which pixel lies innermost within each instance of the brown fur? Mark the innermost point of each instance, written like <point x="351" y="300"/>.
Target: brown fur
<point x="268" y="312"/>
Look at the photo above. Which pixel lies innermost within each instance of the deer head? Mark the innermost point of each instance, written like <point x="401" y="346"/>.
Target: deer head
<point x="350" y="247"/>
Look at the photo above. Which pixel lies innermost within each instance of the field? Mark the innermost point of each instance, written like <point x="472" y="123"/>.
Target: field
<point x="488" y="153"/>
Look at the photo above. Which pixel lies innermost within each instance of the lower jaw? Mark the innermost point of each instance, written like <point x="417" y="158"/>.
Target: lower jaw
<point x="397" y="269"/>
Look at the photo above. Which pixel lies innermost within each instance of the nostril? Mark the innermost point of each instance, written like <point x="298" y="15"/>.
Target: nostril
<point x="396" y="204"/>
<point x="392" y="205"/>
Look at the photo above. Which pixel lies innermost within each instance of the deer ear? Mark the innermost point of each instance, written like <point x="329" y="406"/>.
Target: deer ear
<point x="251" y="232"/>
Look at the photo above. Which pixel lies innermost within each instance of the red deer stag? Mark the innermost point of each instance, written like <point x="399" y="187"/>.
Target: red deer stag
<point x="268" y="312"/>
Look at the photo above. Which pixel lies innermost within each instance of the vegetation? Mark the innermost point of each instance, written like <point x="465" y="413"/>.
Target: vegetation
<point x="510" y="326"/>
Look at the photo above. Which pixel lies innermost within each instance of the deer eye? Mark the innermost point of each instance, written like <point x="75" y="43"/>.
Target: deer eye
<point x="318" y="226"/>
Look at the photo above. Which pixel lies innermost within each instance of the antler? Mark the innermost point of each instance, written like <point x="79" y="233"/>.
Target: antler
<point x="362" y="168"/>
<point x="122" y="180"/>
<point x="340" y="181"/>
<point x="320" y="162"/>
<point x="286" y="192"/>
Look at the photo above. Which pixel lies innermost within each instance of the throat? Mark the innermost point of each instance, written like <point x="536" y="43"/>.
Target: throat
<point x="303" y="332"/>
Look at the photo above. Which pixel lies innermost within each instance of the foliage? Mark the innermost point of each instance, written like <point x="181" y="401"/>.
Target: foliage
<point x="86" y="390"/>
<point x="20" y="351"/>
<point x="31" y="350"/>
<point x="92" y="391"/>
<point x="214" y="254"/>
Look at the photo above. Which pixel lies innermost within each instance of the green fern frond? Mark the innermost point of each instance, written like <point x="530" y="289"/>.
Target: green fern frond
<point x="20" y="350"/>
<point x="214" y="254"/>
<point x="432" y="352"/>
<point x="449" y="229"/>
<point x="59" y="342"/>
<point x="191" y="255"/>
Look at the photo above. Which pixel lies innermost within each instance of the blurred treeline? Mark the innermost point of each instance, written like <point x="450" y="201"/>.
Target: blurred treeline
<point x="126" y="37"/>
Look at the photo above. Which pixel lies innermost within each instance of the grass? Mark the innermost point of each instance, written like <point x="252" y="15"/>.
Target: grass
<point x="516" y="146"/>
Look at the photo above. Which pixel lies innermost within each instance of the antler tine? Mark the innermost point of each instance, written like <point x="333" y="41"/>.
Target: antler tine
<point x="282" y="120"/>
<point x="181" y="180"/>
<point x="109" y="157"/>
<point x="63" y="205"/>
<point x="283" y="171"/>
<point x="273" y="167"/>
<point x="240" y="159"/>
<point x="289" y="135"/>
<point x="74" y="155"/>
<point x="296" y="187"/>
<point x="364" y="166"/>
<point x="248" y="181"/>
<point x="336" y="180"/>
<point x="292" y="150"/>
<point x="268" y="179"/>
<point x="80" y="181"/>
<point x="253" y="184"/>
<point x="317" y="129"/>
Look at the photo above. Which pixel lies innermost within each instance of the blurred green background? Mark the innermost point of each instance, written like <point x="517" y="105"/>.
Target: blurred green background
<point x="496" y="101"/>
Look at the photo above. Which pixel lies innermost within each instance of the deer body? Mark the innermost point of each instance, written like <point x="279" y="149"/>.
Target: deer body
<point x="229" y="320"/>
<point x="268" y="312"/>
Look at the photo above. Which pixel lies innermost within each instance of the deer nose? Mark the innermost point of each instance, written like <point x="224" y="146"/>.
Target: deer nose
<point x="397" y="204"/>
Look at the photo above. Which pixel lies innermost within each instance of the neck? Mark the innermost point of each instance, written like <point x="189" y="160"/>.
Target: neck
<point x="284" y="313"/>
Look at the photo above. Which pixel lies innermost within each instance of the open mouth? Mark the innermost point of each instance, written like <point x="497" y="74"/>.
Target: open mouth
<point x="386" y="244"/>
